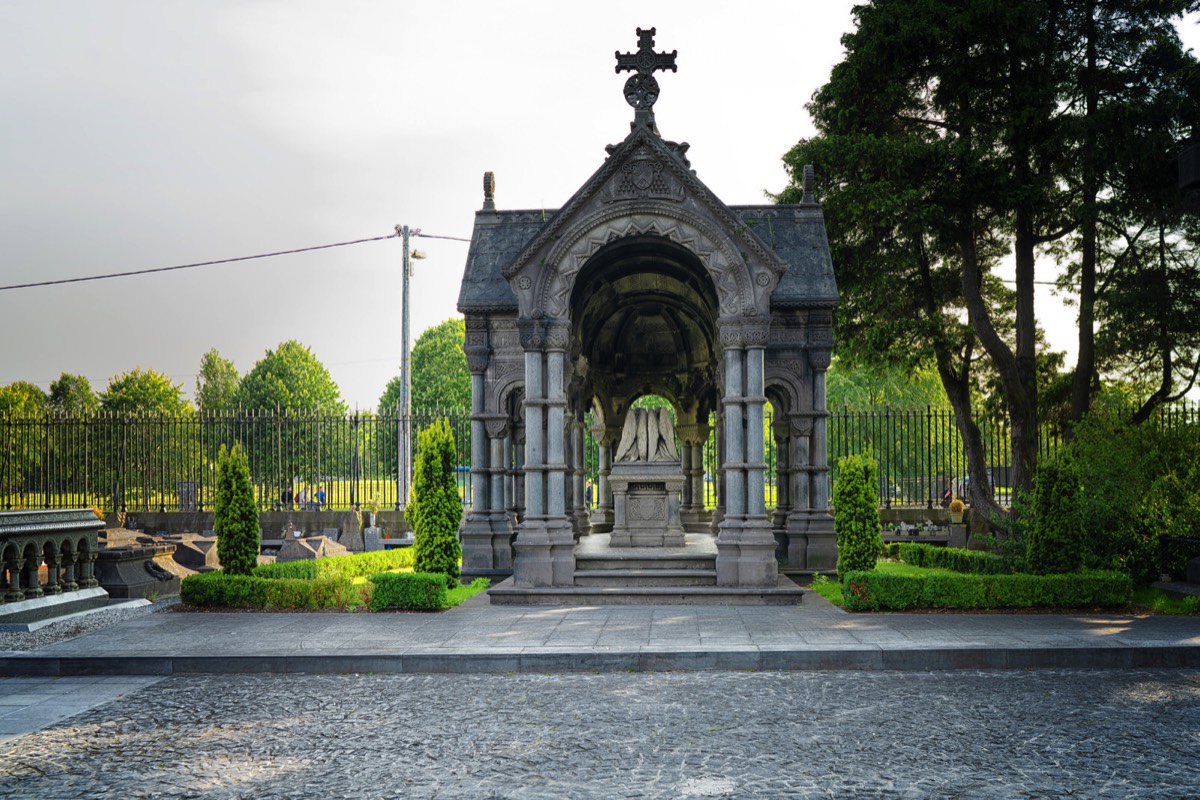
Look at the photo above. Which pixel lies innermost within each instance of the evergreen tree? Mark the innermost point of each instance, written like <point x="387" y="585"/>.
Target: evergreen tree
<point x="235" y="517"/>
<point x="856" y="515"/>
<point x="1054" y="543"/>
<point x="435" y="508"/>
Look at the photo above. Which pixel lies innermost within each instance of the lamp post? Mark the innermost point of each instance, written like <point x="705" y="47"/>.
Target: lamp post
<point x="405" y="450"/>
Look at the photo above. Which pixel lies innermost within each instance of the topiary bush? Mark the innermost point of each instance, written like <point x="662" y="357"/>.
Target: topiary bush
<point x="235" y="514"/>
<point x="1054" y="541"/>
<point x="435" y="508"/>
<point x="412" y="591"/>
<point x="856" y="515"/>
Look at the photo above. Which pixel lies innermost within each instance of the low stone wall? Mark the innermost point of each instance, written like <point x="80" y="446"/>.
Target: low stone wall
<point x="271" y="522"/>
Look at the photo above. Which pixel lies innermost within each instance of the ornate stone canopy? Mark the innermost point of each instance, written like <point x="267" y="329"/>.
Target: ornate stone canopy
<point x="645" y="282"/>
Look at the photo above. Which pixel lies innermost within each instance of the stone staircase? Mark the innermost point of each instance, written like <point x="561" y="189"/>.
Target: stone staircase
<point x="606" y="575"/>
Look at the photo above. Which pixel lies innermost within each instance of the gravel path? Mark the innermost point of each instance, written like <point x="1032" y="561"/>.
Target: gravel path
<point x="78" y="626"/>
<point x="1047" y="734"/>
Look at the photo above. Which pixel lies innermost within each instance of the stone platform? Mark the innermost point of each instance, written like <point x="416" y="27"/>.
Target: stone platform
<point x="680" y="575"/>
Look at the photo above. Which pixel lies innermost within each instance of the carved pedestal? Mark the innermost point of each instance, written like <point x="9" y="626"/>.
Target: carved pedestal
<point x="646" y="504"/>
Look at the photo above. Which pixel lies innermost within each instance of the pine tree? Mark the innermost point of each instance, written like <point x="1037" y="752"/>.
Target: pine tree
<point x="1055" y="540"/>
<point x="435" y="508"/>
<point x="856" y="515"/>
<point x="235" y="515"/>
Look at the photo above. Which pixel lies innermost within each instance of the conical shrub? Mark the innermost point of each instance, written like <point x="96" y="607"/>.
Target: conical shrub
<point x="435" y="508"/>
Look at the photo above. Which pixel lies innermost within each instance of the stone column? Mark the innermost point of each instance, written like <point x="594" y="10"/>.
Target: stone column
<point x="822" y="543"/>
<point x="33" y="588"/>
<point x="602" y="515"/>
<point x="745" y="542"/>
<point x="53" y="562"/>
<point x="15" y="567"/>
<point x="545" y="541"/>
<point x="691" y="440"/>
<point x="87" y="565"/>
<point x="578" y="477"/>
<point x="69" y="583"/>
<point x="781" y="430"/>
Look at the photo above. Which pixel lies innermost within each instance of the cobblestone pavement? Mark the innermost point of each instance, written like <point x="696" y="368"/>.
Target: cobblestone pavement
<point x="1045" y="734"/>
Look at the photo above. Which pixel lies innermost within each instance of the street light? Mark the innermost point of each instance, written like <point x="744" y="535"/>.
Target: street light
<point x="405" y="455"/>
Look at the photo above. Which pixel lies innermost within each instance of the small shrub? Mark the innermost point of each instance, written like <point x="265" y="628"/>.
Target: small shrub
<point x="235" y="514"/>
<point x="303" y="570"/>
<point x="224" y="590"/>
<point x="290" y="593"/>
<point x="856" y="515"/>
<point x="955" y="559"/>
<point x="358" y="565"/>
<point x="871" y="591"/>
<point x="435" y="508"/>
<point x="412" y="591"/>
<point x="1054" y="542"/>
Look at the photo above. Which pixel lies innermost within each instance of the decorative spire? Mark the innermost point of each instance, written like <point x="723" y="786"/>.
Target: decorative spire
<point x="489" y="191"/>
<point x="808" y="199"/>
<point x="641" y="90"/>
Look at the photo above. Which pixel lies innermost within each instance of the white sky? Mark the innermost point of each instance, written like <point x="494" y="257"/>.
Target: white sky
<point x="140" y="133"/>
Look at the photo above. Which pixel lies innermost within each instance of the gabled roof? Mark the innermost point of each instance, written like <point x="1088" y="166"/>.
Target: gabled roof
<point x="790" y="240"/>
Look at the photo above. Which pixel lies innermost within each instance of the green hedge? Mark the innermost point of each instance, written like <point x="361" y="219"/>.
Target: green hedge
<point x="871" y="591"/>
<point x="954" y="558"/>
<point x="413" y="591"/>
<point x="353" y="566"/>
<point x="253" y="591"/>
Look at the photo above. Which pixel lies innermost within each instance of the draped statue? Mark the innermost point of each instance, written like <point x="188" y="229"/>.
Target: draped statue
<point x="648" y="436"/>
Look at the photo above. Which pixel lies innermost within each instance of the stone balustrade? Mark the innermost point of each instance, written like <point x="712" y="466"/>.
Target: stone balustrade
<point x="64" y="540"/>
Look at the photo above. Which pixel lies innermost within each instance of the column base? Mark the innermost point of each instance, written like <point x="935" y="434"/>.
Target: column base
<point x="544" y="553"/>
<point x="820" y="542"/>
<point x="601" y="520"/>
<point x="746" y="553"/>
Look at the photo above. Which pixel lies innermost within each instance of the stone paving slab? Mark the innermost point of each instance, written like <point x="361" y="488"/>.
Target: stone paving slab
<point x="478" y="637"/>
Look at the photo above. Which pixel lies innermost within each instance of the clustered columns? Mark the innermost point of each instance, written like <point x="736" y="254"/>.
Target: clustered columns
<point x="813" y="488"/>
<point x="68" y="569"/>
<point x="545" y="539"/>
<point x="692" y="437"/>
<point x="745" y="542"/>
<point x="486" y="531"/>
<point x="606" y="439"/>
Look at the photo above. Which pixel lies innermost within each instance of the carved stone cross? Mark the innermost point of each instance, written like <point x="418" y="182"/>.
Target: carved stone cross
<point x="641" y="90"/>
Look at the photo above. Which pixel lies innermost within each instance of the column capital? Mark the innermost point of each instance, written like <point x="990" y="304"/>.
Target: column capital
<point x="819" y="359"/>
<point x="741" y="332"/>
<point x="696" y="433"/>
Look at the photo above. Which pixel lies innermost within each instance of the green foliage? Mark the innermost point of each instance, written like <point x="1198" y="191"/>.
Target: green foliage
<point x="23" y="399"/>
<point x="147" y="392"/>
<point x="352" y="566"/>
<point x="290" y="378"/>
<point x="875" y="590"/>
<point x="220" y="590"/>
<point x="1054" y="539"/>
<point x="861" y="383"/>
<point x="217" y="384"/>
<point x="235" y="514"/>
<point x="955" y="559"/>
<point x="72" y="394"/>
<point x="856" y="515"/>
<point x="435" y="508"/>
<point x="412" y="591"/>
<point x="440" y="378"/>
<point x="460" y="594"/>
<point x="1138" y="482"/>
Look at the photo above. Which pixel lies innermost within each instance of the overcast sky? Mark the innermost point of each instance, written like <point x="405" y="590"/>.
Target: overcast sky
<point x="143" y="134"/>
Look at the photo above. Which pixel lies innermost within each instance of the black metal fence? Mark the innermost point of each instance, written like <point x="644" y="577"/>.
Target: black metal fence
<point x="168" y="463"/>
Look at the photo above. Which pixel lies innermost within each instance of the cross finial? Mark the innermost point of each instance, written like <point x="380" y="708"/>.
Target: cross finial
<point x="641" y="90"/>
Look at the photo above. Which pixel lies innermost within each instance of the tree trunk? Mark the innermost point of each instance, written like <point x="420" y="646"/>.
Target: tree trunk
<point x="1085" y="364"/>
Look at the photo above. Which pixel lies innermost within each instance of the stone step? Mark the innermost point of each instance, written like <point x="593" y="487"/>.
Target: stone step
<point x="786" y="593"/>
<point x="648" y="561"/>
<point x="645" y="577"/>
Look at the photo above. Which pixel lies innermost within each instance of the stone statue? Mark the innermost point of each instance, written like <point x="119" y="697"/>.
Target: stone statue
<point x="648" y="436"/>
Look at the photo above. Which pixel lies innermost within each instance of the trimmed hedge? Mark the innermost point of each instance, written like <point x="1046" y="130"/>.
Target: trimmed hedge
<point x="353" y="566"/>
<point x="873" y="590"/>
<point x="957" y="559"/>
<point x="414" y="591"/>
<point x="253" y="591"/>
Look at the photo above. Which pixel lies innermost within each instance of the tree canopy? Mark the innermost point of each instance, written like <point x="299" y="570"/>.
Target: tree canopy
<point x="143" y="391"/>
<point x="290" y="378"/>
<point x="955" y="138"/>
<point x="440" y="378"/>
<point x="73" y="394"/>
<point x="216" y="383"/>
<point x="22" y="398"/>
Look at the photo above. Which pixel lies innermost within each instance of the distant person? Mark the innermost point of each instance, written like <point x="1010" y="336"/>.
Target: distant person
<point x="588" y="494"/>
<point x="286" y="497"/>
<point x="320" y="497"/>
<point x="302" y="498"/>
<point x="948" y="495"/>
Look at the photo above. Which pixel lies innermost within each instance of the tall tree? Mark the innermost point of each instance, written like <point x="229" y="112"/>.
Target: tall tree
<point x="23" y="399"/>
<point x="73" y="394"/>
<point x="216" y="384"/>
<point x="440" y="378"/>
<point x="952" y="140"/>
<point x="290" y="378"/>
<point x="143" y="391"/>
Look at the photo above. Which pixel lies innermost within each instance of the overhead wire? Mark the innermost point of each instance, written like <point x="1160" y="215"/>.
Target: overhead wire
<point x="153" y="270"/>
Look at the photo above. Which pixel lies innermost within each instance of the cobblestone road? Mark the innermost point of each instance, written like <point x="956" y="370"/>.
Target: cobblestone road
<point x="744" y="735"/>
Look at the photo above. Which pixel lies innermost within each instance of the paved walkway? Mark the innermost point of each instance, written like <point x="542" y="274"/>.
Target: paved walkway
<point x="480" y="638"/>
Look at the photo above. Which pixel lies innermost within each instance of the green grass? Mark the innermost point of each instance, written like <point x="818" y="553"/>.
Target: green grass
<point x="1157" y="601"/>
<point x="461" y="594"/>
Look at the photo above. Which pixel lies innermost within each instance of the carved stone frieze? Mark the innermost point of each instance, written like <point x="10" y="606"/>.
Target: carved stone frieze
<point x="740" y="332"/>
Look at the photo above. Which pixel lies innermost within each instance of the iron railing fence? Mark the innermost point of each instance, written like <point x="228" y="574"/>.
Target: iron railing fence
<point x="143" y="462"/>
<point x="149" y="462"/>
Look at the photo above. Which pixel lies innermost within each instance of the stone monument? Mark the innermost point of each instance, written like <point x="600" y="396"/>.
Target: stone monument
<point x="646" y="480"/>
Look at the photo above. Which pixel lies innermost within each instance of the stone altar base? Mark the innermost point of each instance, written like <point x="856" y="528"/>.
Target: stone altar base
<point x="646" y="504"/>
